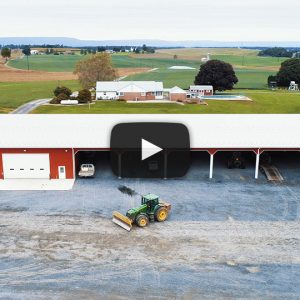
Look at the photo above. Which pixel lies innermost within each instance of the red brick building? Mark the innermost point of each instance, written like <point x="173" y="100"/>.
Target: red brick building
<point x="177" y="94"/>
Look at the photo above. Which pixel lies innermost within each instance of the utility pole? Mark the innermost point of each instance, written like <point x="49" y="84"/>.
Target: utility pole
<point x="27" y="62"/>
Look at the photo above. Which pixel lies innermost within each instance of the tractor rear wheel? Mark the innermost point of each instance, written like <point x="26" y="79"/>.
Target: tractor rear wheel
<point x="161" y="214"/>
<point x="142" y="221"/>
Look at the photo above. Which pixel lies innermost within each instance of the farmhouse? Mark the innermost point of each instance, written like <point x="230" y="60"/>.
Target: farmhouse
<point x="201" y="90"/>
<point x="27" y="153"/>
<point x="110" y="51"/>
<point x="129" y="90"/>
<point x="34" y="52"/>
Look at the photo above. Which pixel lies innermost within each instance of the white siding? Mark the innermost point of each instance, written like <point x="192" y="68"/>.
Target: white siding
<point x="21" y="166"/>
<point x="107" y="96"/>
<point x="93" y="131"/>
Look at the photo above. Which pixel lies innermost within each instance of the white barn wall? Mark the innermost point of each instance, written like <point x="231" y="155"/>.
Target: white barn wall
<point x="93" y="131"/>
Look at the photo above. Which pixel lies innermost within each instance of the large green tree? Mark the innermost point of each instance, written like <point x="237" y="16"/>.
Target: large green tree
<point x="5" y="53"/>
<point x="289" y="71"/>
<point x="27" y="52"/>
<point x="97" y="67"/>
<point x="217" y="73"/>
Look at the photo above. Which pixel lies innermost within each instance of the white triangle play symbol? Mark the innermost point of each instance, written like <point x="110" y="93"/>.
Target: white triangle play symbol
<point x="149" y="149"/>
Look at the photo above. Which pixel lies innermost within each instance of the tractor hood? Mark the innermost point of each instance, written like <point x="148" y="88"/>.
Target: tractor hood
<point x="131" y="213"/>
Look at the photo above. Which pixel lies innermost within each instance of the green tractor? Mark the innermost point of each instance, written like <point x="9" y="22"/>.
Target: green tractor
<point x="151" y="209"/>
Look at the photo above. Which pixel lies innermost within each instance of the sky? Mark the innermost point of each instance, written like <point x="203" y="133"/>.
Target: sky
<point x="218" y="20"/>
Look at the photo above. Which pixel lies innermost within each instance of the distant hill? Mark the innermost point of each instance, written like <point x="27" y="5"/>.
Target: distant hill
<point x="72" y="42"/>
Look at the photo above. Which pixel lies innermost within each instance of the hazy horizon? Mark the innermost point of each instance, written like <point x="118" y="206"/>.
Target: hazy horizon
<point x="193" y="20"/>
<point x="154" y="39"/>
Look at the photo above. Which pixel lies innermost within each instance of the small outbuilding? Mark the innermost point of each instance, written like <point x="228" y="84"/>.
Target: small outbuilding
<point x="176" y="93"/>
<point x="201" y="90"/>
<point x="34" y="52"/>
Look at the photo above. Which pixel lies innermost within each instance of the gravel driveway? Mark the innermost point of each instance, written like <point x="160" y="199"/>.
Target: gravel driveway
<point x="232" y="237"/>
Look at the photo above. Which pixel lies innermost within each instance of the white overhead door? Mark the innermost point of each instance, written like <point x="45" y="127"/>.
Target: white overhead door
<point x="25" y="166"/>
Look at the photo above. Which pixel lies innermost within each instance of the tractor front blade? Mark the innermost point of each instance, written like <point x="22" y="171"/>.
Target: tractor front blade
<point x="122" y="221"/>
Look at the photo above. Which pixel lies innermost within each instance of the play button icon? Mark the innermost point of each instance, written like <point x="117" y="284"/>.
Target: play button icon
<point x="150" y="150"/>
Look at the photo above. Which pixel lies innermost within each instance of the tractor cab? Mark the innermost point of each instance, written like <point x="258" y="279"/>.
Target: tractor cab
<point x="150" y="200"/>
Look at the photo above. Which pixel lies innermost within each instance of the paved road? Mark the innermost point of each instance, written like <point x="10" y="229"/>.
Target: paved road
<point x="28" y="107"/>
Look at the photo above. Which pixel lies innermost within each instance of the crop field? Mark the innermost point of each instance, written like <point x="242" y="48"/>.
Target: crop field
<point x="201" y="52"/>
<point x="267" y="63"/>
<point x="50" y="63"/>
<point x="248" y="79"/>
<point x="237" y="57"/>
<point x="151" y="62"/>
<point x="264" y="102"/>
<point x="251" y="69"/>
<point x="181" y="78"/>
<point x="66" y="63"/>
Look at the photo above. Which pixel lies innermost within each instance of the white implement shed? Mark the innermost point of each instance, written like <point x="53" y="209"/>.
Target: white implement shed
<point x="68" y="134"/>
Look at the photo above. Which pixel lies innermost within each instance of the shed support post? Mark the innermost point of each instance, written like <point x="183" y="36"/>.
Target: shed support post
<point x="120" y="165"/>
<point x="257" y="165"/>
<point x="211" y="168"/>
<point x="166" y="165"/>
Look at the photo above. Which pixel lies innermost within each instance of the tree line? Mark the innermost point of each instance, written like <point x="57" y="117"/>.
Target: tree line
<point x="289" y="71"/>
<point x="22" y="46"/>
<point x="88" y="49"/>
<point x="276" y="52"/>
<point x="135" y="49"/>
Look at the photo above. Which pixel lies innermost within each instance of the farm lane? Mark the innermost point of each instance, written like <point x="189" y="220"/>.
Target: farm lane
<point x="30" y="106"/>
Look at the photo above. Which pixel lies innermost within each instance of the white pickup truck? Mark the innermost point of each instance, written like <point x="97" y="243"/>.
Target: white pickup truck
<point x="86" y="170"/>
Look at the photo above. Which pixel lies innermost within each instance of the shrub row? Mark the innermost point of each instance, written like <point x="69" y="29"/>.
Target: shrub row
<point x="64" y="93"/>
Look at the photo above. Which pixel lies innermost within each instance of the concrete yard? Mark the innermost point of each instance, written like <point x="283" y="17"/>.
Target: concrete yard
<point x="229" y="237"/>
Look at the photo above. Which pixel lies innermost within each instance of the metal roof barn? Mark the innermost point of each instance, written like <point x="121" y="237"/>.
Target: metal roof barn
<point x="59" y="137"/>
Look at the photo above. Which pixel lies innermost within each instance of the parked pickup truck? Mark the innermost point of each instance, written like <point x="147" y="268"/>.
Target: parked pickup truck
<point x="86" y="170"/>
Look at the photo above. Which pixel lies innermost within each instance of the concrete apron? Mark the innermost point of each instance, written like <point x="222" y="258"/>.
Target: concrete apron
<point x="36" y="184"/>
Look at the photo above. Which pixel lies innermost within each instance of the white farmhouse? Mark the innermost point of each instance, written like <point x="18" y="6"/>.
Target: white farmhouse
<point x="34" y="52"/>
<point x="129" y="90"/>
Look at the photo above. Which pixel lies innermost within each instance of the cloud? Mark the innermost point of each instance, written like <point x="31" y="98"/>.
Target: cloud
<point x="156" y="19"/>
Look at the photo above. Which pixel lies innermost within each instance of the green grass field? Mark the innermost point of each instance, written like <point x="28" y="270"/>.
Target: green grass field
<point x="66" y="63"/>
<point x="202" y="52"/>
<point x="252" y="72"/>
<point x="182" y="78"/>
<point x="50" y="63"/>
<point x="14" y="94"/>
<point x="264" y="102"/>
<point x="248" y="79"/>
<point x="251" y="61"/>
